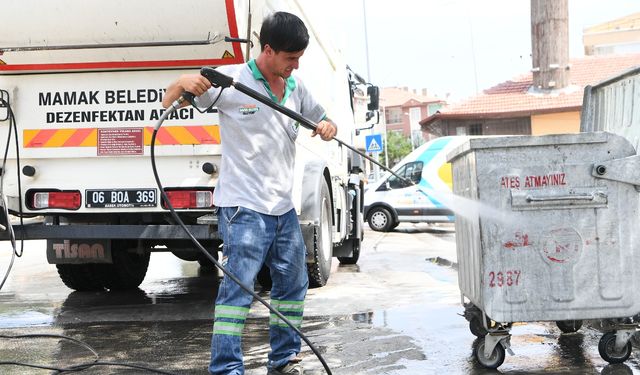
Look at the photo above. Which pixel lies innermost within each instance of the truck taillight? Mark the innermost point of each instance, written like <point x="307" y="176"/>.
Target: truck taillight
<point x="189" y="199"/>
<point x="68" y="200"/>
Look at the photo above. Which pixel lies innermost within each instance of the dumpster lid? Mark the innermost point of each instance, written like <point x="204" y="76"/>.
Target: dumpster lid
<point x="525" y="140"/>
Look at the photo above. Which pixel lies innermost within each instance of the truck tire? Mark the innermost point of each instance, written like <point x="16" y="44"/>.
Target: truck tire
<point x="205" y="263"/>
<point x="264" y="278"/>
<point x="127" y="270"/>
<point x="320" y="268"/>
<point x="80" y="277"/>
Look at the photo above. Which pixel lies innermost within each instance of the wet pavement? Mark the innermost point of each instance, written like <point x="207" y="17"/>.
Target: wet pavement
<point x="396" y="312"/>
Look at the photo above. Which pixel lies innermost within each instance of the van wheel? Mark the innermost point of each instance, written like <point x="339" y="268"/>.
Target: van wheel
<point x="322" y="244"/>
<point x="380" y="219"/>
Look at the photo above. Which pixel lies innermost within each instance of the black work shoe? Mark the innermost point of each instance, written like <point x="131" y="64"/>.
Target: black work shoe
<point x="291" y="368"/>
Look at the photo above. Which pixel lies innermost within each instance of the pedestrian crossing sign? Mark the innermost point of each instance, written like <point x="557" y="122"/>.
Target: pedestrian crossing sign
<point x="373" y="142"/>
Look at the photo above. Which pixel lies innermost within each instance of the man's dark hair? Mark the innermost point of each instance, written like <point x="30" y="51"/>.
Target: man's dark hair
<point x="284" y="31"/>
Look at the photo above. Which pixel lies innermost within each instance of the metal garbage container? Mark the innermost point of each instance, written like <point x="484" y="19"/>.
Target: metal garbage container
<point x="554" y="238"/>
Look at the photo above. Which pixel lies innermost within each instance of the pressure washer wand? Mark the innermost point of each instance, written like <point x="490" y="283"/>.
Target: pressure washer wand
<point x="218" y="79"/>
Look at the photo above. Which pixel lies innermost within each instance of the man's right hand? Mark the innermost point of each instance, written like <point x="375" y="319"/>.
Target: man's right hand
<point x="193" y="83"/>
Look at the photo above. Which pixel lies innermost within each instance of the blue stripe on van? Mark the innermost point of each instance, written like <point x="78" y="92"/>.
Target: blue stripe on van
<point x="426" y="157"/>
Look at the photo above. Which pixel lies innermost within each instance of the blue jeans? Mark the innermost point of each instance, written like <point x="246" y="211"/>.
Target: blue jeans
<point x="252" y="239"/>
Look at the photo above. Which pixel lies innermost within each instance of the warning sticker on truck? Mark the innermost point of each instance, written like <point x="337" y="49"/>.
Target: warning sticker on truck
<point x="120" y="141"/>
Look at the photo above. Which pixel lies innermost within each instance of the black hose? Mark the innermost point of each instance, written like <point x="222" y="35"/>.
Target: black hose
<point x="208" y="255"/>
<point x="5" y="211"/>
<point x="3" y="201"/>
<point x="74" y="368"/>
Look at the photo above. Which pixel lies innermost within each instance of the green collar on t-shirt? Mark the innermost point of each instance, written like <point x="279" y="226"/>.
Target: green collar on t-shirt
<point x="290" y="82"/>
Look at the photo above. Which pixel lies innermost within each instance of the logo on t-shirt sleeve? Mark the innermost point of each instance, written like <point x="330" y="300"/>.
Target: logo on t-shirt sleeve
<point x="248" y="109"/>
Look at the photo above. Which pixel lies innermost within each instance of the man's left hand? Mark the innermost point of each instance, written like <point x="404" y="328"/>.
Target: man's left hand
<point x="326" y="130"/>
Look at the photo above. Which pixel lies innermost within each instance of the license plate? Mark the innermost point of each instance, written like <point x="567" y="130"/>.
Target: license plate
<point x="121" y="198"/>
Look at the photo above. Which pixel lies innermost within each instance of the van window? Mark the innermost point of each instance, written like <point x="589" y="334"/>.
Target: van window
<point x="411" y="171"/>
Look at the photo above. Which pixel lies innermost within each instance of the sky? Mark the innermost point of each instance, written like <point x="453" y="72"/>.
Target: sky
<point x="453" y="48"/>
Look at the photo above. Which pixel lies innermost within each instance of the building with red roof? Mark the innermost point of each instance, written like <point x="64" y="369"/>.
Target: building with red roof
<point x="404" y="108"/>
<point x="517" y="107"/>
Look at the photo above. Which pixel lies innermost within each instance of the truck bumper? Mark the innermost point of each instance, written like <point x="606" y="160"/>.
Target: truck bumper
<point x="142" y="232"/>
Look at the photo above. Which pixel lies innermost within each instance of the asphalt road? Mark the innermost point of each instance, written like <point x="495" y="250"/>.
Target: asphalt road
<point x="396" y="312"/>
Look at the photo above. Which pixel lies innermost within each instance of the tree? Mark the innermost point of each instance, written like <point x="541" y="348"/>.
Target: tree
<point x="398" y="146"/>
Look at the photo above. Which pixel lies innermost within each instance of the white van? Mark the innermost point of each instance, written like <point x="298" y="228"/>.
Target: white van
<point x="389" y="201"/>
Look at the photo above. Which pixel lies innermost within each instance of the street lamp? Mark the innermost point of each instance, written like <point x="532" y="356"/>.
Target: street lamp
<point x="384" y="134"/>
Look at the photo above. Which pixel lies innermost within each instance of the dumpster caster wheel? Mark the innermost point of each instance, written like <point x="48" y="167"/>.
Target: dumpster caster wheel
<point x="569" y="326"/>
<point x="607" y="349"/>
<point x="494" y="360"/>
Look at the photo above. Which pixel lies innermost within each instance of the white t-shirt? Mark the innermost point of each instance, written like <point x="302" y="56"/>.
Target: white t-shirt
<point x="258" y="143"/>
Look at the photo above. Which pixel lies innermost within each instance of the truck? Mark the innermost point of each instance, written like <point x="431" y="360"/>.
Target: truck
<point x="81" y="87"/>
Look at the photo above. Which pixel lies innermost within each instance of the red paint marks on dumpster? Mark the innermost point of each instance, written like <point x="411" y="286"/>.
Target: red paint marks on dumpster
<point x="520" y="240"/>
<point x="599" y="241"/>
<point x="562" y="245"/>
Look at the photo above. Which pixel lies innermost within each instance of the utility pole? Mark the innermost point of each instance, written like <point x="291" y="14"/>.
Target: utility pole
<point x="550" y="44"/>
<point x="366" y="40"/>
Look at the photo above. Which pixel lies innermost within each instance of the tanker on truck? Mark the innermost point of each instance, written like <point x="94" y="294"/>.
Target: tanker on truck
<point x="81" y="87"/>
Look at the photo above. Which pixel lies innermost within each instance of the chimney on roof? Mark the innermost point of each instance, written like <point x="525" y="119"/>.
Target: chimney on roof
<point x="550" y="43"/>
<point x="405" y="88"/>
<point x="424" y="92"/>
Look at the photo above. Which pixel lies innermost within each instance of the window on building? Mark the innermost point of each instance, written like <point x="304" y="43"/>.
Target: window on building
<point x="461" y="130"/>
<point x="475" y="129"/>
<point x="393" y="115"/>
